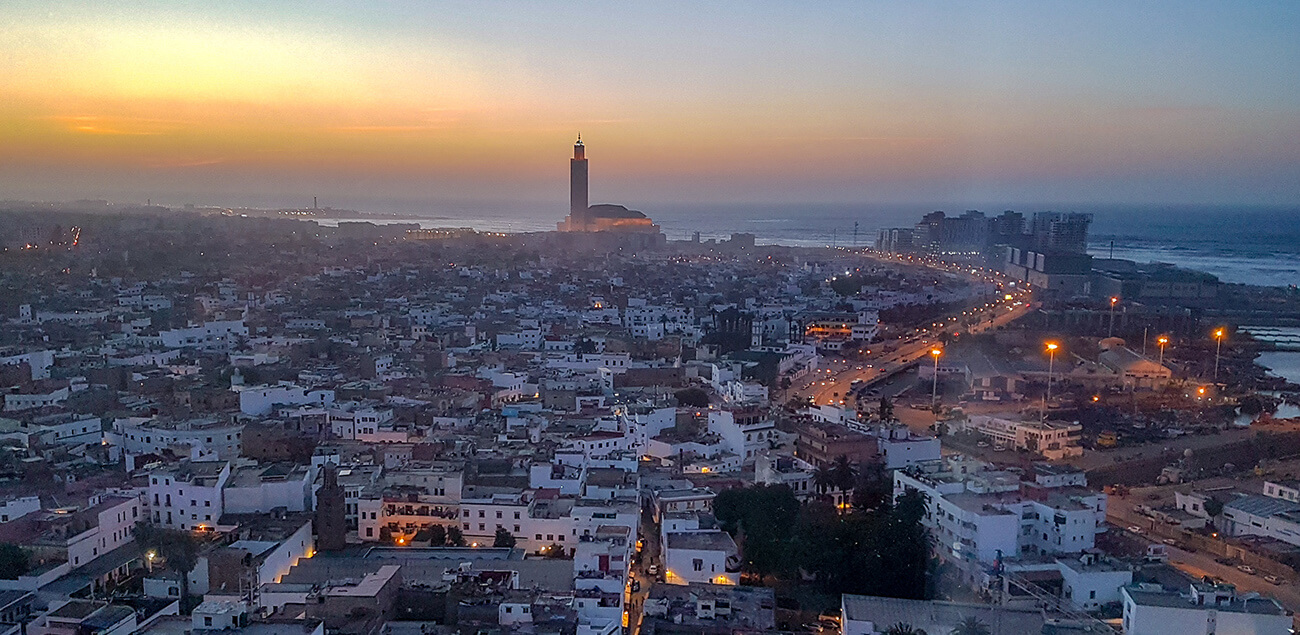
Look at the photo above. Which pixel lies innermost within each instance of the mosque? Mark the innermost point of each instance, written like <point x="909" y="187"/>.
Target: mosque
<point x="598" y="218"/>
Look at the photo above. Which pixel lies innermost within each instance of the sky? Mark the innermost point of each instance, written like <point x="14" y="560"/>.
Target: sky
<point x="420" y="103"/>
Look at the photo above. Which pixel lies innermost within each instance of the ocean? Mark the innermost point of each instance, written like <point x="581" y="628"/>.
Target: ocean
<point x="1250" y="245"/>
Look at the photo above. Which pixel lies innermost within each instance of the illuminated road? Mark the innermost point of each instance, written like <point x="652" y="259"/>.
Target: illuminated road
<point x="830" y="385"/>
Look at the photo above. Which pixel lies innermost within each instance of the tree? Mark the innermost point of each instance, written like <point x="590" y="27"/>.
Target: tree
<point x="437" y="535"/>
<point x="971" y="626"/>
<point x="1213" y="507"/>
<point x="903" y="628"/>
<point x="764" y="516"/>
<point x="454" y="537"/>
<point x="843" y="474"/>
<point x="823" y="478"/>
<point x="692" y="397"/>
<point x="14" y="561"/>
<point x="886" y="409"/>
<point x="503" y="538"/>
<point x="874" y="487"/>
<point x="179" y="548"/>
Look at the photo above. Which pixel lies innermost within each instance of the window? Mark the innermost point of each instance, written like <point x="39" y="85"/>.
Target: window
<point x="370" y="532"/>
<point x="207" y="620"/>
<point x="538" y="537"/>
<point x="697" y="564"/>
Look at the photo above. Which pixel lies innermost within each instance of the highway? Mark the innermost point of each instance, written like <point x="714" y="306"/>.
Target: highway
<point x="829" y="385"/>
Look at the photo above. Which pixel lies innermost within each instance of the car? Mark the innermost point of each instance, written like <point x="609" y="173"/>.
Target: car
<point x="1135" y="529"/>
<point x="1169" y="541"/>
<point x="653" y="570"/>
<point x="982" y="444"/>
<point x="1272" y="579"/>
<point x="1245" y="568"/>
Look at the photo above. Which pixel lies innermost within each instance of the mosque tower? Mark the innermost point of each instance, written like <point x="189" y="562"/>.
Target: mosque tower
<point x="578" y="186"/>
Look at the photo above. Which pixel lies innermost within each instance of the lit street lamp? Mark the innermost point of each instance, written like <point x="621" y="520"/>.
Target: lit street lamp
<point x="1162" y="341"/>
<point x="1218" y="346"/>
<point x="1051" y="361"/>
<point x="1113" y="301"/>
<point x="934" y="389"/>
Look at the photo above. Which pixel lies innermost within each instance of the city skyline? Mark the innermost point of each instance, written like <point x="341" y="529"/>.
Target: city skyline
<point x="267" y="104"/>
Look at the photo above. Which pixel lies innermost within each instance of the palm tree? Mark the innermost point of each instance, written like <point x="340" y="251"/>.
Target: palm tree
<point x="903" y="628"/>
<point x="971" y="626"/>
<point x="823" y="478"/>
<point x="843" y="474"/>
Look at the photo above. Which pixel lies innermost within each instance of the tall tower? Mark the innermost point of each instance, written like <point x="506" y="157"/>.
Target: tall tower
<point x="578" y="185"/>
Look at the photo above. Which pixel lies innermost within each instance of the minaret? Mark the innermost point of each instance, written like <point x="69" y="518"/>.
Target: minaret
<point x="578" y="186"/>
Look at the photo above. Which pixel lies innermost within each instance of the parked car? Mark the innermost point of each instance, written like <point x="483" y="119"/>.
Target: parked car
<point x="1245" y="568"/>
<point x="653" y="570"/>
<point x="1272" y="579"/>
<point x="1135" y="529"/>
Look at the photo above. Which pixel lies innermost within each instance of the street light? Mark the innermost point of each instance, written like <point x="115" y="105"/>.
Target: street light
<point x="1051" y="361"/>
<point x="934" y="389"/>
<point x="1162" y="341"/>
<point x="1218" y="346"/>
<point x="1113" y="301"/>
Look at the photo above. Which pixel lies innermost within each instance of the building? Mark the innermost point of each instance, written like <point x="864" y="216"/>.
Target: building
<point x="821" y="443"/>
<point x="1052" y="440"/>
<point x="708" y="609"/>
<point x="1136" y="372"/>
<point x="708" y="556"/>
<point x="1202" y="608"/>
<point x="870" y="615"/>
<point x="584" y="217"/>
<point x="981" y="515"/>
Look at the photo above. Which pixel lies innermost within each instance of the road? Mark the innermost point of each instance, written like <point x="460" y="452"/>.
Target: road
<point x="831" y="384"/>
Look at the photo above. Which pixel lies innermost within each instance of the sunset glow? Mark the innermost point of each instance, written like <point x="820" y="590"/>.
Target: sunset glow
<point x="856" y="103"/>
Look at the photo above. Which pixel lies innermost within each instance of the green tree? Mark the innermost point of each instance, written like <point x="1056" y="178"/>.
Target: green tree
<point x="437" y="535"/>
<point x="503" y="538"/>
<point x="454" y="537"/>
<point x="874" y="487"/>
<point x="843" y="474"/>
<point x="692" y="397"/>
<point x="14" y="561"/>
<point x="823" y="478"/>
<point x="971" y="626"/>
<point x="886" y="410"/>
<point x="180" y="549"/>
<point x="903" y="628"/>
<point x="1213" y="507"/>
<point x="764" y="518"/>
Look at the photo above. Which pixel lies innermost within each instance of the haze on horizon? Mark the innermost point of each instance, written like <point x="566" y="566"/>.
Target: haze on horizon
<point x="273" y="102"/>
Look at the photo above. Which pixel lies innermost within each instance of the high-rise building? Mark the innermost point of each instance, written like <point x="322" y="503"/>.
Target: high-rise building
<point x="578" y="184"/>
<point x="1058" y="231"/>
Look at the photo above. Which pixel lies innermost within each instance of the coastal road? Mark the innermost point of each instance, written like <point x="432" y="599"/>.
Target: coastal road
<point x="831" y="387"/>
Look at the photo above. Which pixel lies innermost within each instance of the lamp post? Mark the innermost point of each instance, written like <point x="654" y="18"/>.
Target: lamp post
<point x="934" y="388"/>
<point x="1051" y="361"/>
<point x="1113" y="301"/>
<point x="1162" y="341"/>
<point x="1218" y="346"/>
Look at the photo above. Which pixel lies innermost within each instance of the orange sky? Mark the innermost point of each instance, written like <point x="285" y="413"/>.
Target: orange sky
<point x="415" y="102"/>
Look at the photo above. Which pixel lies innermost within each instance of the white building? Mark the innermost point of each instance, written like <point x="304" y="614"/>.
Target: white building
<point x="15" y="508"/>
<point x="701" y="556"/>
<point x="220" y="334"/>
<point x="1204" y="608"/>
<point x="899" y="447"/>
<point x="214" y="438"/>
<point x="977" y="514"/>
<point x="260" y="400"/>
<point x="189" y="496"/>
